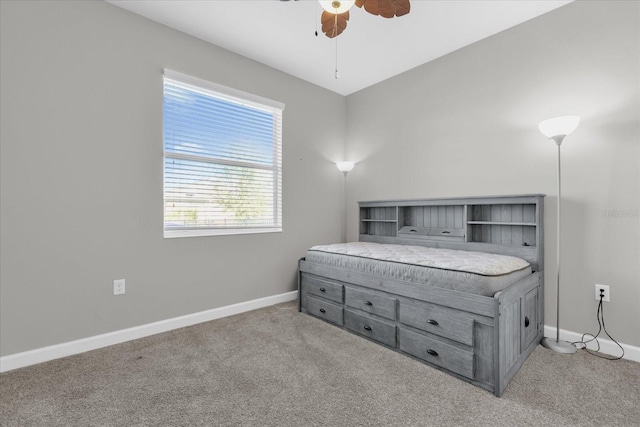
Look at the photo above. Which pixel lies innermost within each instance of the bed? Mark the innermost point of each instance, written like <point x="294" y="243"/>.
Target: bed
<point x="455" y="283"/>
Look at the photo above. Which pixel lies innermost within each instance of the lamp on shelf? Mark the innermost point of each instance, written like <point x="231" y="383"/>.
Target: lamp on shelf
<point x="557" y="129"/>
<point x="345" y="168"/>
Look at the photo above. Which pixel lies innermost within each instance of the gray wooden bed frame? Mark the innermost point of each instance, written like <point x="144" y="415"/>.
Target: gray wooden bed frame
<point x="479" y="339"/>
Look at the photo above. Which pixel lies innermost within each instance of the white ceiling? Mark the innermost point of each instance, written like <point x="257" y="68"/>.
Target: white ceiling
<point x="281" y="33"/>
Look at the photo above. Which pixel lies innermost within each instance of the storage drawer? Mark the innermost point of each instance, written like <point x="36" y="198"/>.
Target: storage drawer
<point x="374" y="303"/>
<point x="437" y="352"/>
<point x="325" y="310"/>
<point x="377" y="330"/>
<point x="438" y="320"/>
<point x="323" y="288"/>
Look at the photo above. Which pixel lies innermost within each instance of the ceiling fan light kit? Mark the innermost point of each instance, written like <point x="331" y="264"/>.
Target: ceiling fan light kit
<point x="335" y="15"/>
<point x="337" y="7"/>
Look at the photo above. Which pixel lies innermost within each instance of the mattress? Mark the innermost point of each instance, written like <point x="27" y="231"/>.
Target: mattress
<point x="478" y="273"/>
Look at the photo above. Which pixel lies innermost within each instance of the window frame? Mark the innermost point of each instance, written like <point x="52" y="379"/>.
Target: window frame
<point x="244" y="99"/>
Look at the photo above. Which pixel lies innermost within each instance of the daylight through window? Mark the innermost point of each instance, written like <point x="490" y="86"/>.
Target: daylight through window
<point x="222" y="159"/>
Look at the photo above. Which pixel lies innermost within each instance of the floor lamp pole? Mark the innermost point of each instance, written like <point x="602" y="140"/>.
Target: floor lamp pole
<point x="557" y="345"/>
<point x="345" y="168"/>
<point x="559" y="245"/>
<point x="344" y="226"/>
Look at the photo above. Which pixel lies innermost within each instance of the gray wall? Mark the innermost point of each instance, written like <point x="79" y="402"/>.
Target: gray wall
<point x="81" y="162"/>
<point x="466" y="124"/>
<point x="81" y="176"/>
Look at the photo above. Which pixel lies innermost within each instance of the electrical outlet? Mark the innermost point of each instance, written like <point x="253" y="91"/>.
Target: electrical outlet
<point x="605" y="289"/>
<point x="118" y="286"/>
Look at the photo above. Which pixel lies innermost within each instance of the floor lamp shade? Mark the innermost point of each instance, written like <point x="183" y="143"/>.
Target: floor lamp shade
<point x="559" y="126"/>
<point x="345" y="166"/>
<point x="557" y="129"/>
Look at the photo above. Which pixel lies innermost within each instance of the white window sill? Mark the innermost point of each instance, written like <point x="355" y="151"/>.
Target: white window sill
<point x="172" y="234"/>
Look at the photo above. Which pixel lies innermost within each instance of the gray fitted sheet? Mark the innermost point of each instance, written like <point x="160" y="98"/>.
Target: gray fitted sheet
<point x="420" y="265"/>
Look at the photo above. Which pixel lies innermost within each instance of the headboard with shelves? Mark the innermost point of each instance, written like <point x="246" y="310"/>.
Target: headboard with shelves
<point x="507" y="225"/>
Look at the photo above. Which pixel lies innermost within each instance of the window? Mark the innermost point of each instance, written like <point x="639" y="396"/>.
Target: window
<point x="222" y="159"/>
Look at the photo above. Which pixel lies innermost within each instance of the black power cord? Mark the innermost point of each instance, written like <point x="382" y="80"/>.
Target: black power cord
<point x="599" y="315"/>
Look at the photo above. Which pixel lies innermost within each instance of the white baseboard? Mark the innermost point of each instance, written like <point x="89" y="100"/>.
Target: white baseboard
<point x="44" y="354"/>
<point x="606" y="346"/>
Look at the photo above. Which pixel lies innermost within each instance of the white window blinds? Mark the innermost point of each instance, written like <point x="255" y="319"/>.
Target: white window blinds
<point x="222" y="159"/>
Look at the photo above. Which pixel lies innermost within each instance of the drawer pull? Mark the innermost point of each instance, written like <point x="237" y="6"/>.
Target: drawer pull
<point x="432" y="352"/>
<point x="432" y="322"/>
<point x="526" y="321"/>
<point x="367" y="327"/>
<point x="368" y="303"/>
<point x="323" y="290"/>
<point x="322" y="310"/>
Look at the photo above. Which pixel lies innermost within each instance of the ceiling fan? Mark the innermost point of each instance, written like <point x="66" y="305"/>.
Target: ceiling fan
<point x="336" y="13"/>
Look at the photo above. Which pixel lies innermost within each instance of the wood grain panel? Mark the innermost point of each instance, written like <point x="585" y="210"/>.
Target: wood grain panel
<point x="433" y="350"/>
<point x="371" y="302"/>
<point x="324" y="310"/>
<point x="322" y="288"/>
<point x="442" y="217"/>
<point x="370" y="327"/>
<point x="483" y="353"/>
<point x="458" y="217"/>
<point x="529" y="235"/>
<point x="529" y="213"/>
<point x="529" y="320"/>
<point x="417" y="216"/>
<point x="510" y="342"/>
<point x="448" y="323"/>
<point x="505" y="231"/>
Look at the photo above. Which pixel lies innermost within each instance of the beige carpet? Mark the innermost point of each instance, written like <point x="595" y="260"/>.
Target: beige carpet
<point x="277" y="367"/>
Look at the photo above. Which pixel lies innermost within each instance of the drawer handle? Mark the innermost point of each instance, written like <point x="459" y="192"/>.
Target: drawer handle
<point x="432" y="352"/>
<point x="526" y="321"/>
<point x="368" y="303"/>
<point x="323" y="290"/>
<point x="367" y="327"/>
<point x="322" y="310"/>
<point x="432" y="322"/>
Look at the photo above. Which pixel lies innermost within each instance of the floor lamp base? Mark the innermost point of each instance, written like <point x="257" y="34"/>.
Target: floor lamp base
<point x="558" y="346"/>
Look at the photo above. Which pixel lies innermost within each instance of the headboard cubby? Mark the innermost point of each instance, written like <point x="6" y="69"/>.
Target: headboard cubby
<point x="507" y="225"/>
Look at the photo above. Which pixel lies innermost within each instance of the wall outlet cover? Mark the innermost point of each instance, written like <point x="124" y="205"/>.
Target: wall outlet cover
<point x="119" y="287"/>
<point x="606" y="292"/>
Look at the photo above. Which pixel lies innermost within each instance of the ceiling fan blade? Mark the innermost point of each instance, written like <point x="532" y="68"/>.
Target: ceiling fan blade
<point x="402" y="7"/>
<point x="333" y="25"/>
<point x="385" y="8"/>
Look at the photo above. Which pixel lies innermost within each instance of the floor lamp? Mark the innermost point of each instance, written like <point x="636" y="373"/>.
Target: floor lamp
<point x="557" y="129"/>
<point x="345" y="168"/>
